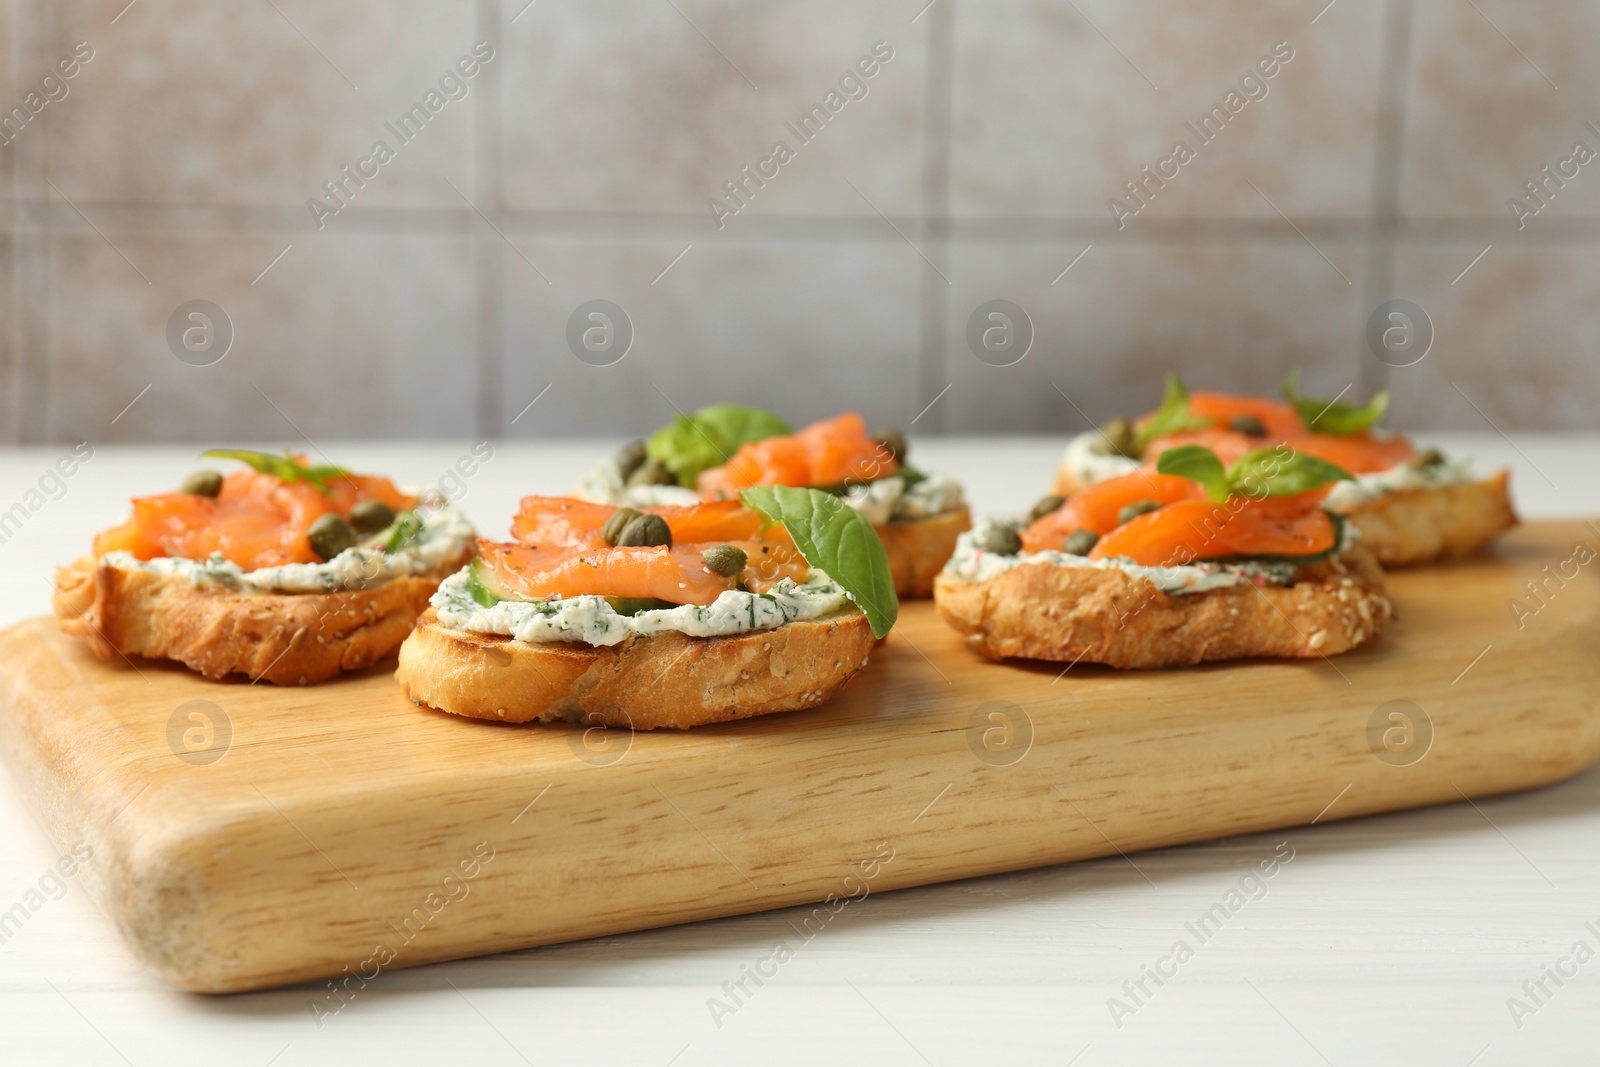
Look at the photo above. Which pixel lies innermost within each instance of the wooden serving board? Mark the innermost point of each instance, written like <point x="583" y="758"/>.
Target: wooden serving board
<point x="266" y="836"/>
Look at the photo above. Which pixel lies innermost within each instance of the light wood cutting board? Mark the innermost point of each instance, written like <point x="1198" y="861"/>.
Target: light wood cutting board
<point x="264" y="836"/>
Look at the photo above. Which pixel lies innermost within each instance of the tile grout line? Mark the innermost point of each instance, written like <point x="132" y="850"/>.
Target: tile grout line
<point x="1388" y="159"/>
<point x="938" y="90"/>
<point x="31" y="256"/>
<point x="489" y="285"/>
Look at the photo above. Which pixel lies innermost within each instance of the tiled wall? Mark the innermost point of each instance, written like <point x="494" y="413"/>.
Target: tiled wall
<point x="976" y="166"/>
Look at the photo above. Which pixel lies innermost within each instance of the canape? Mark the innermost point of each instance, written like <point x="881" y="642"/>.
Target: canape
<point x="1177" y="563"/>
<point x="278" y="571"/>
<point x="1411" y="508"/>
<point x="722" y="449"/>
<point x="669" y="616"/>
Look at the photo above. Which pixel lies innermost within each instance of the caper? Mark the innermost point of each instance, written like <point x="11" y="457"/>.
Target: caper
<point x="652" y="472"/>
<point x="1045" y="506"/>
<point x="331" y="535"/>
<point x="1002" y="541"/>
<point x="370" y="516"/>
<point x="1431" y="457"/>
<point x="894" y="442"/>
<point x="1118" y="438"/>
<point x="1248" y="424"/>
<point x="644" y="531"/>
<point x="629" y="457"/>
<point x="1079" y="542"/>
<point x="726" y="560"/>
<point x="1133" y="511"/>
<point x="202" y="483"/>
<point x="613" y="527"/>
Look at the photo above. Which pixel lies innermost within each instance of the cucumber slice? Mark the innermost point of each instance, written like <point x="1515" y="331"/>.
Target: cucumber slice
<point x="485" y="588"/>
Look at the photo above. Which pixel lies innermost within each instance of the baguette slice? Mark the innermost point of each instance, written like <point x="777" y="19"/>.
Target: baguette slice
<point x="644" y="683"/>
<point x="918" y="549"/>
<point x="1071" y="614"/>
<point x="1409" y="527"/>
<point x="283" y="638"/>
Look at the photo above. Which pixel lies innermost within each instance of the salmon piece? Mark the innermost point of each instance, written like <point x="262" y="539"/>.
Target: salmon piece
<point x="676" y="574"/>
<point x="1229" y="445"/>
<point x="830" y="452"/>
<point x="1202" y="529"/>
<point x="1097" y="506"/>
<point x="544" y="520"/>
<point x="257" y="520"/>
<point x="1281" y="420"/>
<point x="1357" y="453"/>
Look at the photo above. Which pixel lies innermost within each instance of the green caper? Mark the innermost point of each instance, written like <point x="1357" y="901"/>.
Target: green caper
<point x="629" y="457"/>
<point x="652" y="472"/>
<point x="1133" y="511"/>
<point x="895" y="442"/>
<point x="1045" y="506"/>
<point x="1431" y="457"/>
<point x="331" y="535"/>
<point x="726" y="560"/>
<point x="1248" y="424"/>
<point x="202" y="483"/>
<point x="1002" y="541"/>
<point x="644" y="531"/>
<point x="370" y="516"/>
<point x="1118" y="438"/>
<point x="1079" y="542"/>
<point x="613" y="527"/>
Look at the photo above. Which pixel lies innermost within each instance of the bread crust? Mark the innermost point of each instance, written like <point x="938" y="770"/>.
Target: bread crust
<point x="283" y="638"/>
<point x="918" y="549"/>
<point x="644" y="683"/>
<point x="1073" y="614"/>
<point x="1409" y="527"/>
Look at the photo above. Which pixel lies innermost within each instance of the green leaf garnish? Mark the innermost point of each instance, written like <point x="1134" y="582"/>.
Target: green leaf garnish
<point x="1334" y="416"/>
<point x="709" y="438"/>
<point x="1198" y="464"/>
<point x="837" y="539"/>
<point x="1264" y="472"/>
<point x="1172" y="417"/>
<point x="285" y="467"/>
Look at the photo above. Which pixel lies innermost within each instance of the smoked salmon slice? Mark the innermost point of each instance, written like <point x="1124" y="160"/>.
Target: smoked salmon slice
<point x="1190" y="530"/>
<point x="257" y="520"/>
<point x="831" y="452"/>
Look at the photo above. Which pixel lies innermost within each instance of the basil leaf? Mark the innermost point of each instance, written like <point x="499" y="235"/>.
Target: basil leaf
<point x="1265" y="472"/>
<point x="709" y="438"/>
<point x="284" y="467"/>
<point x="837" y="539"/>
<point x="1334" y="416"/>
<point x="1198" y="464"/>
<point x="1269" y="472"/>
<point x="1172" y="417"/>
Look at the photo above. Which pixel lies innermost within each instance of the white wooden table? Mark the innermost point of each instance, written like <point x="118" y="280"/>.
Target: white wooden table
<point x="1393" y="939"/>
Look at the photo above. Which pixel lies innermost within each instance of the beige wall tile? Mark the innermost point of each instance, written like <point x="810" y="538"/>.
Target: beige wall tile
<point x="804" y="329"/>
<point x="208" y="102"/>
<point x="1055" y="109"/>
<point x="1514" y="342"/>
<point x="624" y="107"/>
<point x="349" y="336"/>
<point x="1229" y="317"/>
<point x="1481" y="117"/>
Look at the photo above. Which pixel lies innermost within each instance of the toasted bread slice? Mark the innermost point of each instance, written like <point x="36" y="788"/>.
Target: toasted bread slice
<point x="1072" y="614"/>
<point x="665" y="680"/>
<point x="919" y="548"/>
<point x="283" y="638"/>
<point x="1414" y="526"/>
